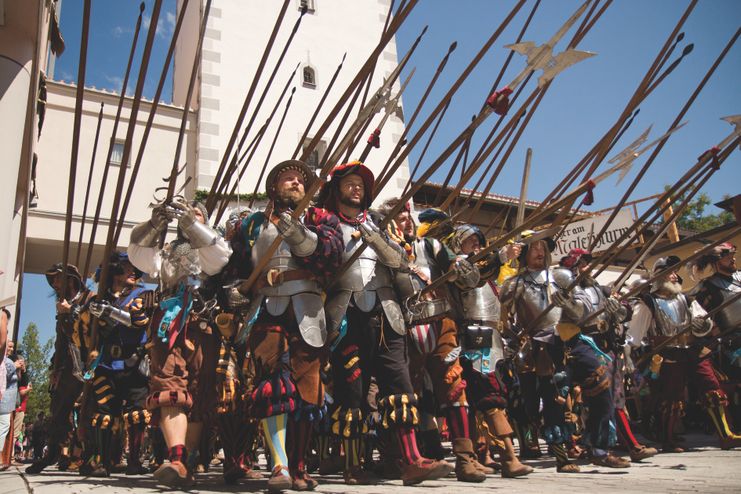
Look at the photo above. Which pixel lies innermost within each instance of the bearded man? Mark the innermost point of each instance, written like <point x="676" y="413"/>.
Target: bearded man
<point x="287" y="331"/>
<point x="663" y="313"/>
<point x="368" y="331"/>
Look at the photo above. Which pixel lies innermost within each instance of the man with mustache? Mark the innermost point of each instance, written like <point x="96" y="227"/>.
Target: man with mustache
<point x="664" y="312"/>
<point x="368" y="332"/>
<point x="286" y="341"/>
<point x="562" y="356"/>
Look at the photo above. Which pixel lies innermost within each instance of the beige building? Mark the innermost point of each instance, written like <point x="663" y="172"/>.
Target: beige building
<point x="237" y="32"/>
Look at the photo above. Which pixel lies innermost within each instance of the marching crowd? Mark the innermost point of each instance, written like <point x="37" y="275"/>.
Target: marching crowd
<point x="360" y="340"/>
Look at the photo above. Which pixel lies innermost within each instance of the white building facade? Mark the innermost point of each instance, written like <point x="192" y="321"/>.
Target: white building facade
<point x="236" y="35"/>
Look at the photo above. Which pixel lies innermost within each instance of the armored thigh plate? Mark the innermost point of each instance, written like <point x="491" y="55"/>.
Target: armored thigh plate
<point x="336" y="307"/>
<point x="392" y="309"/>
<point x="309" y="311"/>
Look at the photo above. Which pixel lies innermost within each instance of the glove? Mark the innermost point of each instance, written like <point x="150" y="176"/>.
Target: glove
<point x="111" y="315"/>
<point x="563" y="300"/>
<point x="303" y="241"/>
<point x="385" y="252"/>
<point x="184" y="213"/>
<point x="465" y="274"/>
<point x="612" y="306"/>
<point x="234" y="297"/>
<point x="699" y="326"/>
<point x="509" y="252"/>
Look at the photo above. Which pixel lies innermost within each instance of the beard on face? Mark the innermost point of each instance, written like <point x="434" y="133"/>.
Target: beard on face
<point x="288" y="199"/>
<point x="350" y="201"/>
<point x="587" y="280"/>
<point x="669" y="288"/>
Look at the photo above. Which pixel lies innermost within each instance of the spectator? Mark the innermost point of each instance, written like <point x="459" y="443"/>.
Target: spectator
<point x="24" y="388"/>
<point x="4" y="318"/>
<point x="7" y="405"/>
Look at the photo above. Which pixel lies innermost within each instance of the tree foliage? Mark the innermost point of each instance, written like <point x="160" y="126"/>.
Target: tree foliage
<point x="696" y="219"/>
<point x="38" y="359"/>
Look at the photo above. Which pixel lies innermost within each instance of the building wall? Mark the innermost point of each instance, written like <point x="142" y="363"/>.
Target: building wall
<point x="46" y="221"/>
<point x="235" y="39"/>
<point x="23" y="37"/>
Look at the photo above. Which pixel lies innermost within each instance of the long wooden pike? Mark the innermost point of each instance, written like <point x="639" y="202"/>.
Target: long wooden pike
<point x="360" y="76"/>
<point x="111" y="143"/>
<point x="402" y="64"/>
<point x="211" y="201"/>
<point x="278" y="63"/>
<point x="683" y="262"/>
<point x="445" y="101"/>
<point x="676" y="121"/>
<point x="599" y="152"/>
<point x="80" y="96"/>
<point x="249" y="153"/>
<point x="413" y="118"/>
<point x="272" y="146"/>
<point x="319" y="107"/>
<point x="424" y="149"/>
<point x="538" y="58"/>
<point x="389" y="109"/>
<point x="644" y="358"/>
<point x="146" y="55"/>
<point x="89" y="185"/>
<point x="153" y="111"/>
<point x="604" y="259"/>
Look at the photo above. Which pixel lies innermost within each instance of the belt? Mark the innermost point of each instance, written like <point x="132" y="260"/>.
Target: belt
<point x="276" y="277"/>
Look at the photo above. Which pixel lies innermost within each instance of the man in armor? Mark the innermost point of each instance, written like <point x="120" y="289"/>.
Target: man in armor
<point x="66" y="379"/>
<point x="288" y="327"/>
<point x="178" y="324"/>
<point x="559" y="348"/>
<point x="607" y="331"/>
<point x="367" y="331"/>
<point x="119" y="381"/>
<point x="433" y="334"/>
<point x="477" y="312"/>
<point x="665" y="314"/>
<point x="720" y="286"/>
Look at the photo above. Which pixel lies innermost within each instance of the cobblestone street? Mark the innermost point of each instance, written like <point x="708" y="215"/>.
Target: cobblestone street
<point x="704" y="469"/>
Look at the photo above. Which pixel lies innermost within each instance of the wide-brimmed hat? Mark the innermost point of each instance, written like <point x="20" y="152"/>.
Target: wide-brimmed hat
<point x="283" y="166"/>
<point x="72" y="274"/>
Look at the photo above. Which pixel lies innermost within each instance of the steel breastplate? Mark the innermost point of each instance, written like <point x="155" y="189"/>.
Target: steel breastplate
<point x="533" y="302"/>
<point x="730" y="316"/>
<point x="366" y="275"/>
<point x="480" y="305"/>
<point x="671" y="315"/>
<point x="364" y="284"/>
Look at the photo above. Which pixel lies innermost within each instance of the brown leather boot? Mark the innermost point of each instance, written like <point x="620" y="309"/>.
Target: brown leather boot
<point x="511" y="465"/>
<point x="425" y="469"/>
<point x="466" y="469"/>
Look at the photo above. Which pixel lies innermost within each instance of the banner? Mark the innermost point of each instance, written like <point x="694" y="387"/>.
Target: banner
<point x="580" y="233"/>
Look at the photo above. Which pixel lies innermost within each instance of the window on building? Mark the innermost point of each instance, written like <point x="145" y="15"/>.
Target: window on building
<point x="309" y="75"/>
<point x="117" y="153"/>
<point x="306" y="4"/>
<point x="317" y="155"/>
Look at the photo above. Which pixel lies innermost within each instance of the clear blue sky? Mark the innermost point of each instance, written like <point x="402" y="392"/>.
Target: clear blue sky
<point x="580" y="106"/>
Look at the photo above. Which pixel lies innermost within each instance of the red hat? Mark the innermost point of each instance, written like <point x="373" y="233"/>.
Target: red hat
<point x="574" y="256"/>
<point x="328" y="193"/>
